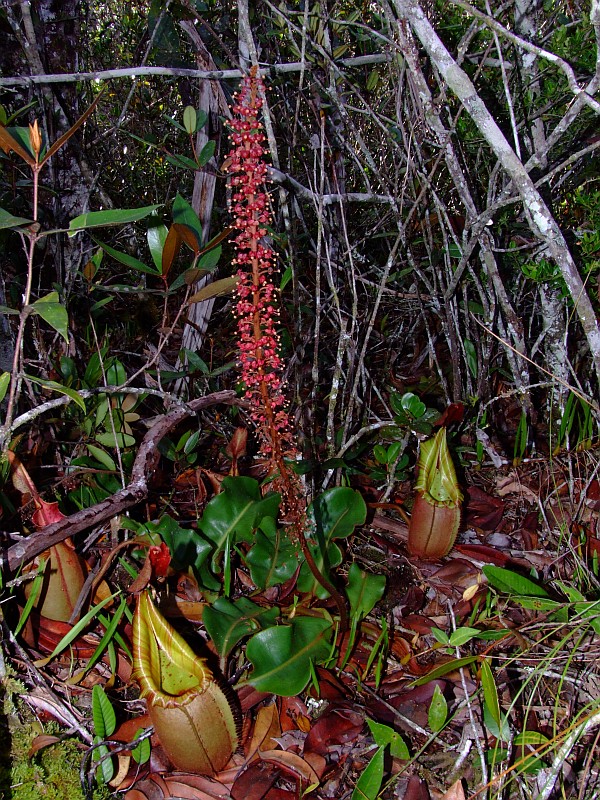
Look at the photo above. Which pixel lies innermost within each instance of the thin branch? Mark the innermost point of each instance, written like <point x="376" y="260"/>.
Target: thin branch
<point x="135" y="491"/>
<point x="178" y="72"/>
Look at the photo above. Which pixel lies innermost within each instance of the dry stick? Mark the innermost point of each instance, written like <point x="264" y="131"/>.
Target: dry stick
<point x="135" y="491"/>
<point x="568" y="386"/>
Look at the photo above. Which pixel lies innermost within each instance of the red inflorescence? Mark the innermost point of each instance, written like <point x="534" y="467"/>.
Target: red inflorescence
<point x="257" y="306"/>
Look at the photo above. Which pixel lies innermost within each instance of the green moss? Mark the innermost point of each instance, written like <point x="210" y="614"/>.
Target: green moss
<point x="53" y="772"/>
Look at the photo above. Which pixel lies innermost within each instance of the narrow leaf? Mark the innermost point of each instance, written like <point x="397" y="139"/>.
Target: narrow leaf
<point x="58" y="387"/>
<point x="490" y="692"/>
<point x="124" y="258"/>
<point x="512" y="582"/>
<point x="100" y="219"/>
<point x="369" y="784"/>
<point x="215" y="289"/>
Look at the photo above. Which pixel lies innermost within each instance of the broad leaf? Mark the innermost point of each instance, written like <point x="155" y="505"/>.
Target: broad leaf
<point x="8" y="221"/>
<point x="333" y="514"/>
<point x="54" y="313"/>
<point x="101" y="219"/>
<point x="228" y="622"/>
<point x="156" y="237"/>
<point x="233" y="515"/>
<point x="364" y="590"/>
<point x="282" y="656"/>
<point x="384" y="735"/>
<point x="184" y="214"/>
<point x="273" y="558"/>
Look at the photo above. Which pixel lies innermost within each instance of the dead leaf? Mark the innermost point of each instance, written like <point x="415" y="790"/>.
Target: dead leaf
<point x="455" y="792"/>
<point x="340" y="725"/>
<point x="41" y="741"/>
<point x="266" y="729"/>
<point x="293" y="764"/>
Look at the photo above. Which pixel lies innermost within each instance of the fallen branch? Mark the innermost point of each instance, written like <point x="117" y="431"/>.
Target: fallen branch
<point x="135" y="491"/>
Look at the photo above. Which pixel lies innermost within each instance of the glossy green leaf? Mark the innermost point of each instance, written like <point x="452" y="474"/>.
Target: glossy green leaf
<point x="384" y="735"/>
<point x="102" y="457"/>
<point x="207" y="152"/>
<point x="7" y="220"/>
<point x="103" y="714"/>
<point x="333" y="514"/>
<point x="282" y="656"/>
<point x="101" y="219"/>
<point x="156" y="237"/>
<point x="126" y="259"/>
<point x="229" y="622"/>
<point x="54" y="313"/>
<point x="106" y="769"/>
<point x="505" y="580"/>
<point x="438" y="710"/>
<point x="184" y="214"/>
<point x="235" y="512"/>
<point x="364" y="590"/>
<point x="412" y="405"/>
<point x="209" y="260"/>
<point x="273" y="558"/>
<point x="58" y="387"/>
<point x="368" y="785"/>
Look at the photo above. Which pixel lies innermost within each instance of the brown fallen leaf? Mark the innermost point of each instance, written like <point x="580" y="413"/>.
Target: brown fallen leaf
<point x="292" y="764"/>
<point x="41" y="741"/>
<point x="455" y="792"/>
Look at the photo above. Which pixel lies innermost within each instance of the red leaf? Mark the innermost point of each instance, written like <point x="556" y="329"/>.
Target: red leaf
<point x="482" y="510"/>
<point x="341" y="724"/>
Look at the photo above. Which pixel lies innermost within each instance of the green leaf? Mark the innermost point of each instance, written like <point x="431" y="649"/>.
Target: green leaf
<point x="141" y="752"/>
<point x="412" y="405"/>
<point x="8" y="221"/>
<point x="210" y="259"/>
<point x="54" y="313"/>
<point x="127" y="260"/>
<point x="101" y="219"/>
<point x="384" y="735"/>
<point x="36" y="587"/>
<point x="282" y="656"/>
<point x="381" y="454"/>
<point x="188" y="548"/>
<point x="440" y="636"/>
<point x="471" y="354"/>
<point x="110" y="439"/>
<point x="368" y="785"/>
<point x="438" y="710"/>
<point x="156" y="237"/>
<point x="364" y="590"/>
<point x="106" y="768"/>
<point x="58" y="387"/>
<point x="184" y="214"/>
<point x="189" y="119"/>
<point x="207" y="152"/>
<point x="228" y="622"/>
<point x="4" y="384"/>
<point x="102" y="457"/>
<point x="103" y="714"/>
<point x="501" y="730"/>
<point x="462" y="635"/>
<point x="333" y="514"/>
<point x="235" y="512"/>
<point x="490" y="692"/>
<point x="512" y="582"/>
<point x="273" y="558"/>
